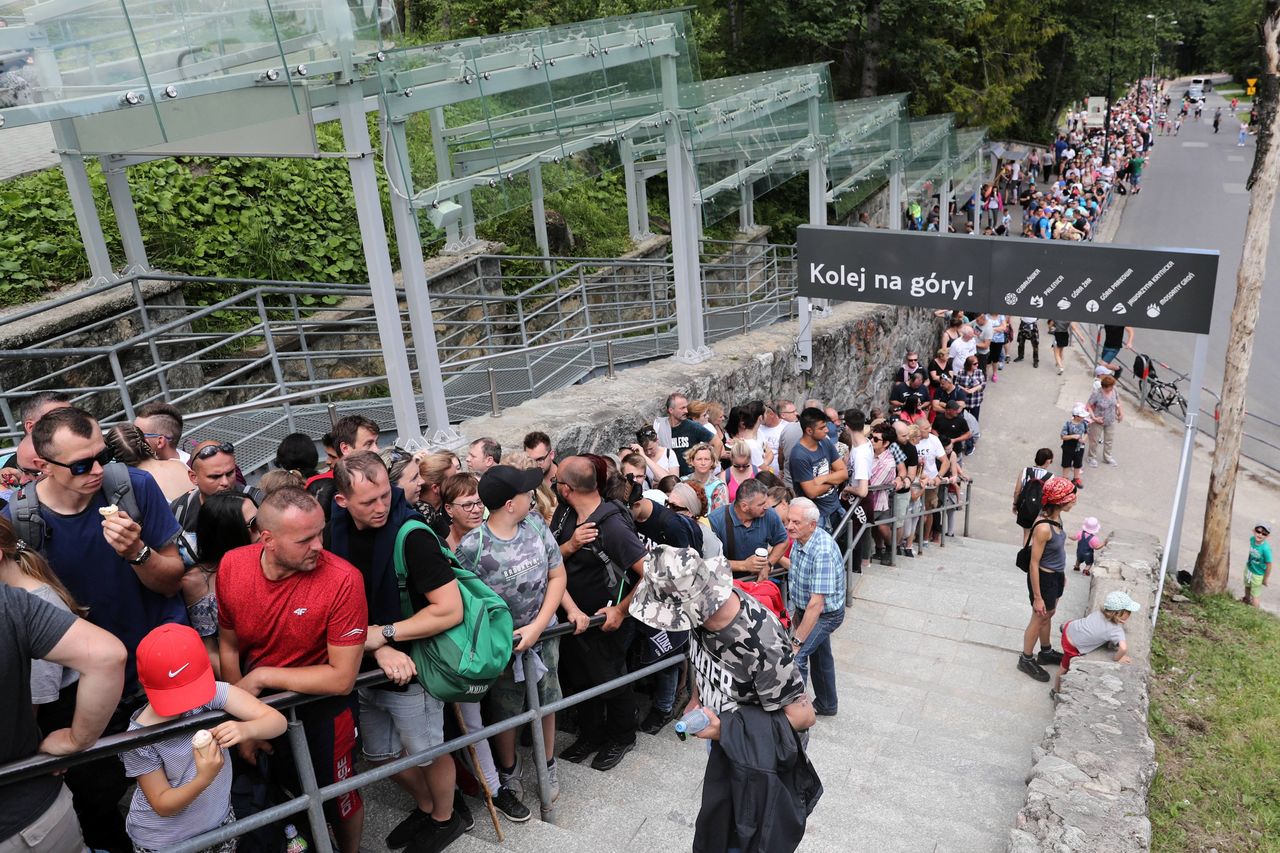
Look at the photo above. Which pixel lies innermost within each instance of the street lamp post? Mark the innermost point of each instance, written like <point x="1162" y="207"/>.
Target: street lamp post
<point x="1155" y="50"/>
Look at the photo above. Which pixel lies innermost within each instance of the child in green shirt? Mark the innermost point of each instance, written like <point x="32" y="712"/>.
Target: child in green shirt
<point x="1258" y="569"/>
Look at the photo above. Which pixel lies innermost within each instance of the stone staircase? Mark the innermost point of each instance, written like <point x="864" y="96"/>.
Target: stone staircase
<point x="928" y="753"/>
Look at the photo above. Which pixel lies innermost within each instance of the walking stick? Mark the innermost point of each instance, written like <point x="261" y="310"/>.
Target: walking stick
<point x="484" y="784"/>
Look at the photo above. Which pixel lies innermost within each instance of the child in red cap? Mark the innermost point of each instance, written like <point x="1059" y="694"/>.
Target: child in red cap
<point x="184" y="789"/>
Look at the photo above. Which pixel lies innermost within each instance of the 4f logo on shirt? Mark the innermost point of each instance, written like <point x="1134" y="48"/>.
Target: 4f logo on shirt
<point x="300" y="611"/>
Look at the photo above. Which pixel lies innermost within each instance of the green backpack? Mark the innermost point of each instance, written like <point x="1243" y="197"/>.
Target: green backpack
<point x="459" y="664"/>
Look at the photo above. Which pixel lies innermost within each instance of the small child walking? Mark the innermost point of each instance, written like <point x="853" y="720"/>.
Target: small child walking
<point x="184" y="784"/>
<point x="1087" y="543"/>
<point x="1073" y="435"/>
<point x="1258" y="569"/>
<point x="1081" y="636"/>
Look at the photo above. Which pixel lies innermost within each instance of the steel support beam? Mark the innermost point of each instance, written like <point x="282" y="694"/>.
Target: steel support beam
<point x="373" y="236"/>
<point x="691" y="345"/>
<point x="539" y="205"/>
<point x="444" y="171"/>
<point x="417" y="295"/>
<point x="626" y="151"/>
<point x="746" y="201"/>
<point x="73" y="171"/>
<point x="135" y="252"/>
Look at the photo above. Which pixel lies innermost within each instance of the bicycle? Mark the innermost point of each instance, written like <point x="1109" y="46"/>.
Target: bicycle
<point x="1160" y="394"/>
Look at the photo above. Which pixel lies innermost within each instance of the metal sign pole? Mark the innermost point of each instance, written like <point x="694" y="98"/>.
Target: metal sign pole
<point x="1169" y="559"/>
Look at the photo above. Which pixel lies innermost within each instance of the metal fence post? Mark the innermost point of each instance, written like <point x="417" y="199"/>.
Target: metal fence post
<point x="548" y="806"/>
<point x="276" y="369"/>
<point x="893" y="536"/>
<point x="307" y="778"/>
<point x="968" y="503"/>
<point x="118" y="372"/>
<point x="608" y="350"/>
<point x="495" y="408"/>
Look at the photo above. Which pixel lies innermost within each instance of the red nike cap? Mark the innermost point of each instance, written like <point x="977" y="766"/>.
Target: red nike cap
<point x="174" y="668"/>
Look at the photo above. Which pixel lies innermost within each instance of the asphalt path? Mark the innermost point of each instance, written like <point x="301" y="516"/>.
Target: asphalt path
<point x="1194" y="196"/>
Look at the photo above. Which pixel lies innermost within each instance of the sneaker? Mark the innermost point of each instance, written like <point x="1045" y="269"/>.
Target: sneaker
<point x="1093" y="463"/>
<point x="1035" y="363"/>
<point x="434" y="837"/>
<point x="406" y="829"/>
<point x="1111" y="460"/>
<point x="1059" y="371"/>
<point x="995" y="378"/>
<point x="907" y="552"/>
<point x="654" y="721"/>
<point x="513" y="779"/>
<point x="1079" y="484"/>
<point x="509" y="804"/>
<point x="610" y="754"/>
<point x="580" y="750"/>
<point x="1050" y="656"/>
<point x="553" y="779"/>
<point x="1020" y="358"/>
<point x="462" y="810"/>
<point x="1031" y="668"/>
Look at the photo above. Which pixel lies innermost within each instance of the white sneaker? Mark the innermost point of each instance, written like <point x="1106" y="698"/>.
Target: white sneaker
<point x="553" y="777"/>
<point x="1059" y="371"/>
<point x="1111" y="460"/>
<point x="1093" y="463"/>
<point x="514" y="780"/>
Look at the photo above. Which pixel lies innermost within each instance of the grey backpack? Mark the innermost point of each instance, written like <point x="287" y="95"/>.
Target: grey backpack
<point x="29" y="524"/>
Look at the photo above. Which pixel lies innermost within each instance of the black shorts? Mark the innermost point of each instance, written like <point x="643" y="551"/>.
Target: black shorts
<point x="1061" y="340"/>
<point x="1051" y="586"/>
<point x="1073" y="454"/>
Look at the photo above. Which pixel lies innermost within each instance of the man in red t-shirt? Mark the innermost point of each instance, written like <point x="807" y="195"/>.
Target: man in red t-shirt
<point x="292" y="616"/>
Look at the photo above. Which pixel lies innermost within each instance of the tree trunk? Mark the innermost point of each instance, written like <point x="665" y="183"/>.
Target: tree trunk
<point x="1213" y="563"/>
<point x="871" y="52"/>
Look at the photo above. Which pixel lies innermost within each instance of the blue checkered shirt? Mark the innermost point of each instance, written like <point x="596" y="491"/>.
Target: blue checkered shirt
<point x="816" y="567"/>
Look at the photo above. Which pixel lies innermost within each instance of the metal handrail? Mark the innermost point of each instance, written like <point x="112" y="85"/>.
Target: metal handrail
<point x="312" y="796"/>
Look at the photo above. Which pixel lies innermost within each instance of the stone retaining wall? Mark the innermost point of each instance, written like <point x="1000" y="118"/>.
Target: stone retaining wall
<point x="855" y="351"/>
<point x="1088" y="789"/>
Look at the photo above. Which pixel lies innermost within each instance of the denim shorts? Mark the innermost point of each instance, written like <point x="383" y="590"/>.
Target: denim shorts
<point x="391" y="721"/>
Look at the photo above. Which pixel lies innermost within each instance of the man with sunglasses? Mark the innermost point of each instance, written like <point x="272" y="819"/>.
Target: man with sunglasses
<point x="213" y="470"/>
<point x="127" y="571"/>
<point x="18" y="467"/>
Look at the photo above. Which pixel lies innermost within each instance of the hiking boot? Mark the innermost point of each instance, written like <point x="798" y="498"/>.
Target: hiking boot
<point x="580" y="750"/>
<point x="1028" y="665"/>
<point x="1050" y="656"/>
<point x="654" y="721"/>
<point x="406" y="829"/>
<point x="610" y="754"/>
<point x="434" y="837"/>
<point x="510" y="806"/>
<point x="512" y="779"/>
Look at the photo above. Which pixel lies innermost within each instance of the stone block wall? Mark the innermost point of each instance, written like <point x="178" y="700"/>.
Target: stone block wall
<point x="855" y="351"/>
<point x="1087" y="791"/>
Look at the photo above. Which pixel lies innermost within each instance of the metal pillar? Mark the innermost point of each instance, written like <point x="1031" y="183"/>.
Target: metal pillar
<point x="417" y="295"/>
<point x="977" y="193"/>
<point x="373" y="236"/>
<point x="539" y="205"/>
<point x="690" y="332"/>
<point x="444" y="171"/>
<point x="746" y="200"/>
<point x="73" y="171"/>
<point x="636" y="221"/>
<point x="1169" y="559"/>
<point x="135" y="252"/>
<point x="944" y="205"/>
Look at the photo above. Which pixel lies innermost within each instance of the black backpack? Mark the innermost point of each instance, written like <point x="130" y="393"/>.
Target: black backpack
<point x="1143" y="367"/>
<point x="1030" y="499"/>
<point x="29" y="524"/>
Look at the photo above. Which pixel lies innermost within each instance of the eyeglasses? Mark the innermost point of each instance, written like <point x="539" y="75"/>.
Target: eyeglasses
<point x="469" y="506"/>
<point x="913" y="361"/>
<point x="211" y="450"/>
<point x="397" y="454"/>
<point x="676" y="507"/>
<point x="554" y="483"/>
<point x="251" y="524"/>
<point x="167" y="438"/>
<point x="83" y="466"/>
<point x="538" y="460"/>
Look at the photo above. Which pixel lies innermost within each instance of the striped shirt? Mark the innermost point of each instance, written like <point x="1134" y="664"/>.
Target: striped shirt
<point x="816" y="567"/>
<point x="176" y="760"/>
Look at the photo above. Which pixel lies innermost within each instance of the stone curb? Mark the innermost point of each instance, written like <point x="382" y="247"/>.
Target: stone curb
<point x="1087" y="790"/>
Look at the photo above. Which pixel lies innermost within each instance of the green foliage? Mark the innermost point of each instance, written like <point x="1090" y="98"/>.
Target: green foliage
<point x="1215" y="696"/>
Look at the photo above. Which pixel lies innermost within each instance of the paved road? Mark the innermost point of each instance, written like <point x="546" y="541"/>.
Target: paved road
<point x="1194" y="196"/>
<point x="26" y="149"/>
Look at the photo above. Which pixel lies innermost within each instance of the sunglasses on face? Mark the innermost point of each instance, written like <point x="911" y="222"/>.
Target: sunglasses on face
<point x="83" y="466"/>
<point x="1258" y="531"/>
<point x="252" y="524"/>
<point x="676" y="507"/>
<point x="211" y="450"/>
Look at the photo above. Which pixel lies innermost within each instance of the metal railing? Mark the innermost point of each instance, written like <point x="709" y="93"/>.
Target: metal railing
<point x="851" y="546"/>
<point x="1261" y="442"/>
<point x="507" y="332"/>
<point x="312" y="797"/>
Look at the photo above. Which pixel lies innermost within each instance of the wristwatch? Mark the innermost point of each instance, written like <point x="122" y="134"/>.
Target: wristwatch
<point x="142" y="557"/>
<point x="389" y="633"/>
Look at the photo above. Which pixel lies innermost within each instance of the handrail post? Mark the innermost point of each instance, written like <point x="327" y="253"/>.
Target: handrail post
<point x="118" y="372"/>
<point x="548" y="806"/>
<point x="608" y="349"/>
<point x="307" y="778"/>
<point x="276" y="369"/>
<point x="495" y="408"/>
<point x="893" y="535"/>
<point x="968" y="503"/>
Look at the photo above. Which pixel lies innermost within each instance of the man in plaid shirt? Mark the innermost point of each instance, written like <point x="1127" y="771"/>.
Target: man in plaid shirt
<point x="816" y="588"/>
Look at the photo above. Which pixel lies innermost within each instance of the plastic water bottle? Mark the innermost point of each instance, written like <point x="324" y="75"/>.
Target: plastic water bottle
<point x="692" y="723"/>
<point x="296" y="843"/>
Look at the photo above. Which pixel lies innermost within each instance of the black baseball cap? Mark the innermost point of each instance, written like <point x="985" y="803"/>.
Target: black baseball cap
<point x="501" y="483"/>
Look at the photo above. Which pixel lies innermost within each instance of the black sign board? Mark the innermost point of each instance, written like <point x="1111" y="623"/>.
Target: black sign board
<point x="1169" y="289"/>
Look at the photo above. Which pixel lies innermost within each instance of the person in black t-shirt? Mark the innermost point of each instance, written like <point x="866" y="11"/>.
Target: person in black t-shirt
<point x="912" y="389"/>
<point x="678" y="433"/>
<point x="604" y="559"/>
<point x="952" y="425"/>
<point x="403" y="717"/>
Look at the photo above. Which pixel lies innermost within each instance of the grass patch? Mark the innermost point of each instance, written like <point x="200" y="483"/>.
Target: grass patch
<point x="1215" y="717"/>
